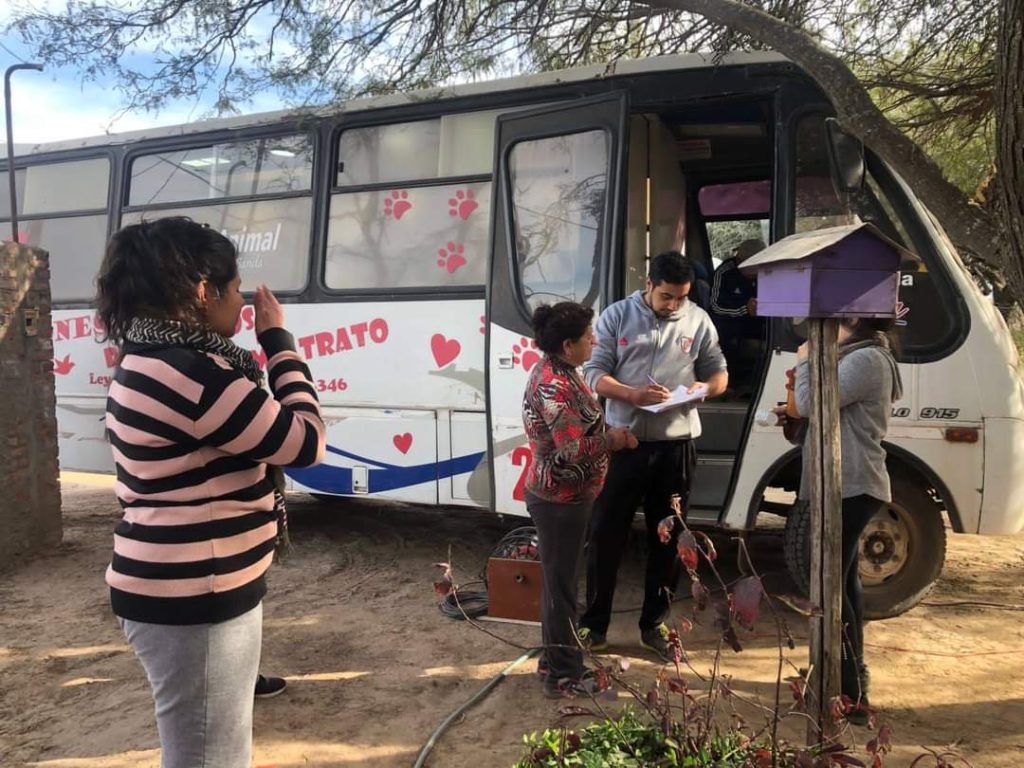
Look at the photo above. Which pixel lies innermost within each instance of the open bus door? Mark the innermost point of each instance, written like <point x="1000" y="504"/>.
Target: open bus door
<point x="556" y="222"/>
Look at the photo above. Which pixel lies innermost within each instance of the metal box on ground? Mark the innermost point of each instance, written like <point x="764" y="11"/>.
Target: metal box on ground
<point x="513" y="589"/>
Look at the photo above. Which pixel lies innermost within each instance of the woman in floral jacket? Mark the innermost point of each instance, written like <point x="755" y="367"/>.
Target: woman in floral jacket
<point x="570" y="445"/>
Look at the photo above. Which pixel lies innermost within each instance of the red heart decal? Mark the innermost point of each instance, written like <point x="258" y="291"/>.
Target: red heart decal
<point x="403" y="442"/>
<point x="445" y="350"/>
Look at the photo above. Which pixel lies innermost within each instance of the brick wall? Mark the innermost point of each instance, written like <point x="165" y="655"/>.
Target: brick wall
<point x="30" y="516"/>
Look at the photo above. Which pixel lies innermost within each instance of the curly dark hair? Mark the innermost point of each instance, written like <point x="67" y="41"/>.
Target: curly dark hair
<point x="152" y="269"/>
<point x="553" y="325"/>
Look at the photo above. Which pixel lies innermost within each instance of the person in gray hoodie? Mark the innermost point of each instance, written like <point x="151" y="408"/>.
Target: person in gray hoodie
<point x="869" y="383"/>
<point x="648" y="344"/>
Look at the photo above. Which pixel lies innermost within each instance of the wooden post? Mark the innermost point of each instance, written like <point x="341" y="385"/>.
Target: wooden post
<point x="825" y="466"/>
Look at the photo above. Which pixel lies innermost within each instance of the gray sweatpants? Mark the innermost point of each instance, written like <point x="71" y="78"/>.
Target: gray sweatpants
<point x="202" y="676"/>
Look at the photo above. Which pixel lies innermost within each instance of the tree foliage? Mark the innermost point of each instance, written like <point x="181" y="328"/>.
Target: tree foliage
<point x="916" y="78"/>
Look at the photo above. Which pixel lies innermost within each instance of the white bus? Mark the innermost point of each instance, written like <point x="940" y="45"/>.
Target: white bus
<point x="411" y="235"/>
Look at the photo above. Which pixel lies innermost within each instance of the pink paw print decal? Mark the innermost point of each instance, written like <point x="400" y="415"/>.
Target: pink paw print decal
<point x="463" y="204"/>
<point x="451" y="257"/>
<point x="525" y="353"/>
<point x="397" y="204"/>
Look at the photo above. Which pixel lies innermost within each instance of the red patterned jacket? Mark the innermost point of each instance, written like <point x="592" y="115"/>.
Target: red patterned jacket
<point x="565" y="425"/>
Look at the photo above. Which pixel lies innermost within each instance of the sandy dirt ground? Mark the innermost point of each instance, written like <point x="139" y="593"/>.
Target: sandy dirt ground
<point x="373" y="667"/>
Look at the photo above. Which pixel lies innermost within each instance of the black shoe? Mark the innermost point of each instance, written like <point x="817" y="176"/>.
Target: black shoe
<point x="593" y="641"/>
<point x="269" y="687"/>
<point x="656" y="640"/>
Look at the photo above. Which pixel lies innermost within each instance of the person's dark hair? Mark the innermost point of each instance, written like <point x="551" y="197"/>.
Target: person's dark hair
<point x="871" y="328"/>
<point x="152" y="270"/>
<point x="552" y="325"/>
<point x="670" y="267"/>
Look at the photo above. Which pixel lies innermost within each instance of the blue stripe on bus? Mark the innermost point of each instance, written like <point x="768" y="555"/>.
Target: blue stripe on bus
<point x="329" y="479"/>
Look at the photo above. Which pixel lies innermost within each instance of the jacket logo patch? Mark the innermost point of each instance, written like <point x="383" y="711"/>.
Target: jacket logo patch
<point x="686" y="344"/>
<point x="623" y="342"/>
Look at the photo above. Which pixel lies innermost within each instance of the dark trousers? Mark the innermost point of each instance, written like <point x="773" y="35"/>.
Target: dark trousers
<point x="857" y="513"/>
<point x="650" y="474"/>
<point x="561" y="533"/>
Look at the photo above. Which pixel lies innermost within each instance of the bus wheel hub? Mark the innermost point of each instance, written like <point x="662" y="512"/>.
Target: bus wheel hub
<point x="884" y="546"/>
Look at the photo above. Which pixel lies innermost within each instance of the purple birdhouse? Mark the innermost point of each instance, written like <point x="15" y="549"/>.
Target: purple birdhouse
<point x="847" y="271"/>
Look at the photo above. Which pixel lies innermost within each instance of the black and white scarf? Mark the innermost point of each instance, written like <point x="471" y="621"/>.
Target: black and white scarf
<point x="153" y="332"/>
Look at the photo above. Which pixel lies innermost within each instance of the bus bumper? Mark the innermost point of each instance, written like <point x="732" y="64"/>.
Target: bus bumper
<point x="1002" y="501"/>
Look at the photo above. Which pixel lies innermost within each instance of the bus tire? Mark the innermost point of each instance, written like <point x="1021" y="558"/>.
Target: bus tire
<point x="902" y="550"/>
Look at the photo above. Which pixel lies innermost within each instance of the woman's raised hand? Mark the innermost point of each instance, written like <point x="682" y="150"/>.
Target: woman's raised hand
<point x="269" y="312"/>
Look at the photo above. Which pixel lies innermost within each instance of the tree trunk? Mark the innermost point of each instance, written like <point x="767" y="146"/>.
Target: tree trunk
<point x="1010" y="138"/>
<point x="969" y="226"/>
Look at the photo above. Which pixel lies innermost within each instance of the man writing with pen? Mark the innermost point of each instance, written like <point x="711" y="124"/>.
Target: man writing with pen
<point x="648" y="346"/>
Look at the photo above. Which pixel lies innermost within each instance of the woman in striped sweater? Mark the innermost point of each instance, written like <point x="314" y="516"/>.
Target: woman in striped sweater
<point x="197" y="442"/>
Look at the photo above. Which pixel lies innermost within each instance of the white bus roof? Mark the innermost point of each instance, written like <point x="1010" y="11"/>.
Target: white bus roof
<point x="578" y="74"/>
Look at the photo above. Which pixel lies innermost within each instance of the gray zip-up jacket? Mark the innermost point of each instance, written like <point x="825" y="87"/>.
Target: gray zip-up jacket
<point x="634" y="343"/>
<point x="869" y="383"/>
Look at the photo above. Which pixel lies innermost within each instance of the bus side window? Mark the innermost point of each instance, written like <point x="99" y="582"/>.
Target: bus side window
<point x="270" y="226"/>
<point x="63" y="209"/>
<point x="411" y="205"/>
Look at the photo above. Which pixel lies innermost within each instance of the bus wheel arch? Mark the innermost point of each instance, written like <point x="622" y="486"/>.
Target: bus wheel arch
<point x="902" y="550"/>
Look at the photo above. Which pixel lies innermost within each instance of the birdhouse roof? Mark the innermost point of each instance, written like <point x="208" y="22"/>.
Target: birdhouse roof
<point x="806" y="244"/>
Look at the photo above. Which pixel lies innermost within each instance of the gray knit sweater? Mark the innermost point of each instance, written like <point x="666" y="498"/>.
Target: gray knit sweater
<point x="869" y="383"/>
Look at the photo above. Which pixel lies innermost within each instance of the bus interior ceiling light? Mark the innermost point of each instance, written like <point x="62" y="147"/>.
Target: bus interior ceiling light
<point x="205" y="162"/>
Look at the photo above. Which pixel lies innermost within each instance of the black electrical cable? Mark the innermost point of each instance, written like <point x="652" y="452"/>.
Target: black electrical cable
<point x="518" y="544"/>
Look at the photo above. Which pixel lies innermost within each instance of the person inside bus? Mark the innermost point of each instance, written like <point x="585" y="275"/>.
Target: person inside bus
<point x="869" y="383"/>
<point x="648" y="344"/>
<point x="570" y="446"/>
<point x="194" y="436"/>
<point x="734" y="311"/>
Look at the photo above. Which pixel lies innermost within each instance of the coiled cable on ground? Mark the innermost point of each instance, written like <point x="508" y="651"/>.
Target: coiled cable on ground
<point x="518" y="544"/>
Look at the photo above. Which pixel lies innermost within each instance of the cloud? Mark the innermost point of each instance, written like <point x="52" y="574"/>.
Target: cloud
<point x="48" y="110"/>
<point x="45" y="110"/>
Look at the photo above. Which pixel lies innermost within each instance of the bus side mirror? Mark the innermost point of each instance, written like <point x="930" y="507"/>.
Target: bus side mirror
<point x="846" y="159"/>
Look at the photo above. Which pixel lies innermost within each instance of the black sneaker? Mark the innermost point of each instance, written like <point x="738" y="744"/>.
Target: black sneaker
<point x="593" y="641"/>
<point x="656" y="640"/>
<point x="269" y="687"/>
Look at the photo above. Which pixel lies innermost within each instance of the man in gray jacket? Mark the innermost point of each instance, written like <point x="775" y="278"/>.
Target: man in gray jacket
<point x="647" y="345"/>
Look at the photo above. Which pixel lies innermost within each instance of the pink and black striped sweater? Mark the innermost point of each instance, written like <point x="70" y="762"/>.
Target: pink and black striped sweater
<point x="192" y="438"/>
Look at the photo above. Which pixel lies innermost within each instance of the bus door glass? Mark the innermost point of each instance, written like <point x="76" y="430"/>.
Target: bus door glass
<point x="554" y="225"/>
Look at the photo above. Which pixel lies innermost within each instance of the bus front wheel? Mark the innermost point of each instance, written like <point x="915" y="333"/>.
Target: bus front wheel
<point x="901" y="551"/>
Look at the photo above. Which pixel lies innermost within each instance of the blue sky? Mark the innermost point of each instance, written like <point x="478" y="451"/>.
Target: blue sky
<point x="55" y="105"/>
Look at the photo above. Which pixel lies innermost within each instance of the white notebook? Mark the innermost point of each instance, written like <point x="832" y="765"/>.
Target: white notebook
<point x="678" y="396"/>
